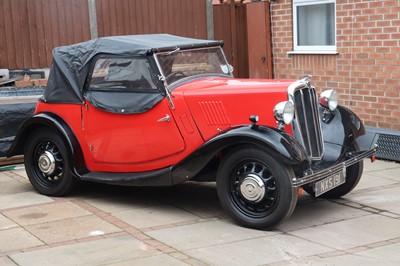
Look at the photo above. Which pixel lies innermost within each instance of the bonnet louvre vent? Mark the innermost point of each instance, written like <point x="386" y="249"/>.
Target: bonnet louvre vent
<point x="215" y="113"/>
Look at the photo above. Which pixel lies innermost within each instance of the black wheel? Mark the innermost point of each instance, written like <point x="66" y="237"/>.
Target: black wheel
<point x="47" y="163"/>
<point x="255" y="189"/>
<point x="353" y="176"/>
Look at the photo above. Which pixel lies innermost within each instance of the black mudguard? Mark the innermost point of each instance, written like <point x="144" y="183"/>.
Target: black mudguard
<point x="57" y="124"/>
<point x="280" y="144"/>
<point x="340" y="130"/>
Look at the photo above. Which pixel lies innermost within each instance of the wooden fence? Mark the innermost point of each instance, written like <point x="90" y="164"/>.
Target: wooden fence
<point x="30" y="29"/>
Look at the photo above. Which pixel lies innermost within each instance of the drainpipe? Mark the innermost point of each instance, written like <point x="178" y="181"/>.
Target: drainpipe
<point x="210" y="19"/>
<point x="94" y="34"/>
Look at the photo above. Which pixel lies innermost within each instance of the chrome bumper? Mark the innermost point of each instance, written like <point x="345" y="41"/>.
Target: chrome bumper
<point x="311" y="176"/>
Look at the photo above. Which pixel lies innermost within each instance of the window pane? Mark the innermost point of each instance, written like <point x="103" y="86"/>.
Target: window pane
<point x="122" y="74"/>
<point x="316" y="24"/>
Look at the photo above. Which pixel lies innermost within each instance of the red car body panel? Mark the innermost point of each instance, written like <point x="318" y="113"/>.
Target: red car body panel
<point x="203" y="108"/>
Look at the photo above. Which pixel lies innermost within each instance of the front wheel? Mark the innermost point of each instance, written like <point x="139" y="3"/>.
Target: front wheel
<point x="47" y="163"/>
<point x="255" y="189"/>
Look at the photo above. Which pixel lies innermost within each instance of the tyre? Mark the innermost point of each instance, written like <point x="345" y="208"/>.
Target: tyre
<point x="353" y="176"/>
<point x="47" y="163"/>
<point x="255" y="189"/>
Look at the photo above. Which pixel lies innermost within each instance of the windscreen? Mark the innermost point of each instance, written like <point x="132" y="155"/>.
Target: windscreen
<point x="182" y="64"/>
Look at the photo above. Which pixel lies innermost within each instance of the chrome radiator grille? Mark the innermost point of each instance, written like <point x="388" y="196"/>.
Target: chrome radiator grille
<point x="307" y="126"/>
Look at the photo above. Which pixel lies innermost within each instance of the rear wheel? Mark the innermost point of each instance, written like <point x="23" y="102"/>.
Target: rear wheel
<point x="353" y="176"/>
<point x="255" y="189"/>
<point x="47" y="163"/>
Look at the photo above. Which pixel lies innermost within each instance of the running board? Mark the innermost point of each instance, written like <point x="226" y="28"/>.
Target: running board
<point x="160" y="177"/>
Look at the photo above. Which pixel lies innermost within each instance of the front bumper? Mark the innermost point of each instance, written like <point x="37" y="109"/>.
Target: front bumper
<point x="314" y="176"/>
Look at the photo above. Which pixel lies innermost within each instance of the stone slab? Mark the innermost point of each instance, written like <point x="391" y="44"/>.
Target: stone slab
<point x="71" y="228"/>
<point x="205" y="234"/>
<point x="353" y="232"/>
<point x="156" y="260"/>
<point x="98" y="252"/>
<point x="383" y="199"/>
<point x="5" y="261"/>
<point x="318" y="213"/>
<point x="22" y="199"/>
<point x="46" y="213"/>
<point x="13" y="187"/>
<point x="16" y="239"/>
<point x="6" y="223"/>
<point x="259" y="251"/>
<point x="154" y="216"/>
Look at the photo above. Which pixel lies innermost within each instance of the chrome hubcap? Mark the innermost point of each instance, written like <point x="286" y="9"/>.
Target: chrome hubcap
<point x="47" y="163"/>
<point x="252" y="188"/>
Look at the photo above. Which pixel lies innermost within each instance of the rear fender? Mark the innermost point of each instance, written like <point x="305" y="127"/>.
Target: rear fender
<point x="56" y="124"/>
<point x="280" y="144"/>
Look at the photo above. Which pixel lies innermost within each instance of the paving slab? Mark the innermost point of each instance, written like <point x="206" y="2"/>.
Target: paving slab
<point x="318" y="213"/>
<point x="379" y="165"/>
<point x="155" y="216"/>
<point x="353" y="232"/>
<point x="17" y="239"/>
<point x="13" y="187"/>
<point x="5" y="261"/>
<point x="71" y="228"/>
<point x="46" y="213"/>
<point x="205" y="234"/>
<point x="22" y="199"/>
<point x="391" y="173"/>
<point x="371" y="180"/>
<point x="97" y="252"/>
<point x="388" y="254"/>
<point x="6" y="223"/>
<point x="258" y="251"/>
<point x="389" y="202"/>
<point x="4" y="178"/>
<point x="156" y="260"/>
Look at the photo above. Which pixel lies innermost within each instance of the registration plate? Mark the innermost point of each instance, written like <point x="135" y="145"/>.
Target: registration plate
<point x="330" y="182"/>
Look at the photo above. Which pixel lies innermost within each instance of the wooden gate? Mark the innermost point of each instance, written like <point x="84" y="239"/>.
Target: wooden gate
<point x="245" y="29"/>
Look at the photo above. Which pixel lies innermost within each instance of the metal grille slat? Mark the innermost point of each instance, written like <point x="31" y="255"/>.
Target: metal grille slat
<point x="308" y="121"/>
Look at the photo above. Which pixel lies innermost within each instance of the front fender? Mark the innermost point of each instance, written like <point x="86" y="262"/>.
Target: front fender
<point x="343" y="127"/>
<point x="57" y="124"/>
<point x="282" y="146"/>
<point x="340" y="129"/>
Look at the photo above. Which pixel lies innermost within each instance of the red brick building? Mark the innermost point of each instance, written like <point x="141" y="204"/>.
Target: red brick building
<point x="352" y="46"/>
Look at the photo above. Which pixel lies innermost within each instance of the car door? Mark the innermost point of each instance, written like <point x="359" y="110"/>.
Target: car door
<point x="127" y="120"/>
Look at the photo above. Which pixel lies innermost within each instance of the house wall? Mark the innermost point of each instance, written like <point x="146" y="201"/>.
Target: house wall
<point x="366" y="70"/>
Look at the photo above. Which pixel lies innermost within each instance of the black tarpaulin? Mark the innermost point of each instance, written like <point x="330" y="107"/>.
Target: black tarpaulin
<point x="71" y="64"/>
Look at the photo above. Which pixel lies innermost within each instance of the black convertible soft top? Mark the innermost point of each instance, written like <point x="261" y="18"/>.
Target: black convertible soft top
<point x="71" y="64"/>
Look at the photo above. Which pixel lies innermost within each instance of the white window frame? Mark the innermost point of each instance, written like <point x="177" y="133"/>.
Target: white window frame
<point x="312" y="49"/>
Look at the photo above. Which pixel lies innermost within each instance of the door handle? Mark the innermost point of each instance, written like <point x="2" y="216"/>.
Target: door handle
<point x="166" y="118"/>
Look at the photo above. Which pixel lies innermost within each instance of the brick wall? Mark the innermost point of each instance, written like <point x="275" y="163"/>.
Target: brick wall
<point x="366" y="70"/>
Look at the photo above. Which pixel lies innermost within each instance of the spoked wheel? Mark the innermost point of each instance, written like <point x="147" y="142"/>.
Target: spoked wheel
<point x="353" y="176"/>
<point x="255" y="189"/>
<point x="47" y="165"/>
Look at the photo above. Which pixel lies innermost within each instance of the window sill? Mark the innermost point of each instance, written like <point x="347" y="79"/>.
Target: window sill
<point x="313" y="52"/>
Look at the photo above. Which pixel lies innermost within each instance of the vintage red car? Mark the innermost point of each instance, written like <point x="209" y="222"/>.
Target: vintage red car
<point x="159" y="110"/>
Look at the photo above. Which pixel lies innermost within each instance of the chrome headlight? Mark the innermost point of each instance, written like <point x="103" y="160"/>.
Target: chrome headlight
<point x="329" y="99"/>
<point x="284" y="112"/>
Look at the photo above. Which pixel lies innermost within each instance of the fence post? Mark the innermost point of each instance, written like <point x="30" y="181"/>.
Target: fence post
<point x="210" y="19"/>
<point x="93" y="19"/>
